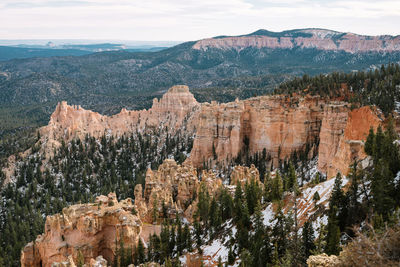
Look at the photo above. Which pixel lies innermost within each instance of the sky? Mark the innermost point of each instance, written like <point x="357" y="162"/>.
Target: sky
<point x="184" y="20"/>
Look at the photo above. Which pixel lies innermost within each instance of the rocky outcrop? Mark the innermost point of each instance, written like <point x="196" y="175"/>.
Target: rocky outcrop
<point x="342" y="134"/>
<point x="84" y="230"/>
<point x="88" y="231"/>
<point x="242" y="175"/>
<point x="323" y="260"/>
<point x="172" y="189"/>
<point x="307" y="38"/>
<point x="278" y="124"/>
<point x="174" y="110"/>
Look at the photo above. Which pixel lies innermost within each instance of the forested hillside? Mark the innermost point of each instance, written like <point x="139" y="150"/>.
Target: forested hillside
<point x="380" y="87"/>
<point x="108" y="81"/>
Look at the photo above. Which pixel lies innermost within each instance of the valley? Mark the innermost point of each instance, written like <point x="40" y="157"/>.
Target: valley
<point x="265" y="149"/>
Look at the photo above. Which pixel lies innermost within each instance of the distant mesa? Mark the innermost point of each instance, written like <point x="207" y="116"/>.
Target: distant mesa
<point x="321" y="39"/>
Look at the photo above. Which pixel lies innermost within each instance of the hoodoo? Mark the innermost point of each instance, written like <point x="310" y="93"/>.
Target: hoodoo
<point x="279" y="124"/>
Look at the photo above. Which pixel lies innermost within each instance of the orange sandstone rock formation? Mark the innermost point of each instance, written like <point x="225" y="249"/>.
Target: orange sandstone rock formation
<point x="87" y="229"/>
<point x="173" y="110"/>
<point x="93" y="230"/>
<point x="172" y="187"/>
<point x="342" y="135"/>
<point x="279" y="124"/>
<point x="241" y="174"/>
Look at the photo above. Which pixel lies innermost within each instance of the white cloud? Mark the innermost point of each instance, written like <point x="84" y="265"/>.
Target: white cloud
<point x="189" y="19"/>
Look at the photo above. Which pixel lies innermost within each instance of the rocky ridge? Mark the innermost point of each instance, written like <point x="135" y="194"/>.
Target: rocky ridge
<point x="174" y="110"/>
<point x="278" y="124"/>
<point x="84" y="230"/>
<point x="307" y="38"/>
<point x="93" y="230"/>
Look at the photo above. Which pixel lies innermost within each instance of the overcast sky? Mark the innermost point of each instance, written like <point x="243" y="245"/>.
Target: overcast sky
<point x="184" y="20"/>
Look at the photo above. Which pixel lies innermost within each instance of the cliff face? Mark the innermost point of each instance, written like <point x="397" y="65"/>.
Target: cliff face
<point x="342" y="135"/>
<point x="279" y="124"/>
<point x="307" y="38"/>
<point x="174" y="109"/>
<point x="93" y="230"/>
<point x="170" y="190"/>
<point x="89" y="230"/>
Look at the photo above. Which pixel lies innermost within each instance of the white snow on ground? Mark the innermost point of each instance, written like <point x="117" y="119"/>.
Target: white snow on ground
<point x="268" y="215"/>
<point x="310" y="170"/>
<point x="306" y="203"/>
<point x="397" y="106"/>
<point x="216" y="249"/>
<point x="397" y="178"/>
<point x="182" y="259"/>
<point x="306" y="207"/>
<point x="318" y="223"/>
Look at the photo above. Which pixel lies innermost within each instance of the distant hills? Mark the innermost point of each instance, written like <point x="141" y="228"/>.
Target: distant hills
<point x="220" y="68"/>
<point x="52" y="50"/>
<point x="9" y="52"/>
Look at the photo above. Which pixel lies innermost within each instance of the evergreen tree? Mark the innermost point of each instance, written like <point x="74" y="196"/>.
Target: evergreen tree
<point x="140" y="253"/>
<point x="277" y="189"/>
<point x="333" y="234"/>
<point x="308" y="239"/>
<point x="291" y="179"/>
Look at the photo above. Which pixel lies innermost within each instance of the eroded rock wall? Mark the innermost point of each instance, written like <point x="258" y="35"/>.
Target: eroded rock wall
<point x="342" y="136"/>
<point x="172" y="189"/>
<point x="174" y="110"/>
<point x="278" y="124"/>
<point x="89" y="230"/>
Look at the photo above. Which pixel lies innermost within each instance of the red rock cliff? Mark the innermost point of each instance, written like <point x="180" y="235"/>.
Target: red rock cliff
<point x="342" y="135"/>
<point x="173" y="109"/>
<point x="279" y="124"/>
<point x="89" y="230"/>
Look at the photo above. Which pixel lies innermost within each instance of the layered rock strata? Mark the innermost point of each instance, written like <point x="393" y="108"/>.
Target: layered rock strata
<point x="172" y="189"/>
<point x="84" y="230"/>
<point x="342" y="135"/>
<point x="317" y="39"/>
<point x="277" y="124"/>
<point x="174" y="110"/>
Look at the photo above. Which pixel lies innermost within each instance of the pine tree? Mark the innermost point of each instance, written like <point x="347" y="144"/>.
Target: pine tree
<point x="140" y="253"/>
<point x="81" y="259"/>
<point x="203" y="205"/>
<point x="219" y="262"/>
<point x="291" y="179"/>
<point x="231" y="256"/>
<point x="277" y="189"/>
<point x="180" y="239"/>
<point x="308" y="239"/>
<point x="333" y="234"/>
<point x="369" y="146"/>
<point x="198" y="234"/>
<point x="268" y="184"/>
<point x="238" y="203"/>
<point x="187" y="237"/>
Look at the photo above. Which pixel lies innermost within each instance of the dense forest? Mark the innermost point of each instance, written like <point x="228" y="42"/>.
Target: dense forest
<point x="380" y="87"/>
<point x="370" y="200"/>
<point x="72" y="176"/>
<point x="369" y="203"/>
